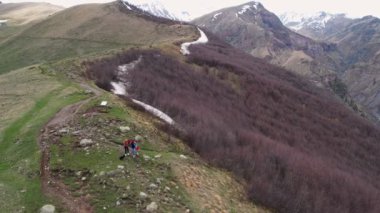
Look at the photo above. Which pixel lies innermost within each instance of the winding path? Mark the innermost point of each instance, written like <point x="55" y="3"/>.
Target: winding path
<point x="51" y="186"/>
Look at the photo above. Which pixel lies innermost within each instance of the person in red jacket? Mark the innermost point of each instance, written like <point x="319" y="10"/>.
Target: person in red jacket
<point x="130" y="146"/>
<point x="127" y="143"/>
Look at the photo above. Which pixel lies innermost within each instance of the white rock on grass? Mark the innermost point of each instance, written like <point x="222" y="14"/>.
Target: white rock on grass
<point x="138" y="137"/>
<point x="158" y="156"/>
<point x="86" y="142"/>
<point x="125" y="128"/>
<point x="152" y="207"/>
<point x="120" y="167"/>
<point x="146" y="157"/>
<point x="48" y="209"/>
<point x="143" y="195"/>
<point x="153" y="186"/>
<point x="183" y="157"/>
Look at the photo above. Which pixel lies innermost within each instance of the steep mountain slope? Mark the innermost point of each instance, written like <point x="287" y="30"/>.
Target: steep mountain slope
<point x="57" y="109"/>
<point x="318" y="26"/>
<point x="24" y="13"/>
<point x="87" y="29"/>
<point x="252" y="28"/>
<point x="358" y="43"/>
<point x="292" y="143"/>
<point x="287" y="142"/>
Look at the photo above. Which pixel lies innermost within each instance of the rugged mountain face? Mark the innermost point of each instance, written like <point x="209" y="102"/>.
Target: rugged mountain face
<point x="359" y="44"/>
<point x="157" y="8"/>
<point x="24" y="13"/>
<point x="318" y="26"/>
<point x="252" y="28"/>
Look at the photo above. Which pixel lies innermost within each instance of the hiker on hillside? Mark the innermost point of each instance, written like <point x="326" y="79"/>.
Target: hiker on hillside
<point x="130" y="147"/>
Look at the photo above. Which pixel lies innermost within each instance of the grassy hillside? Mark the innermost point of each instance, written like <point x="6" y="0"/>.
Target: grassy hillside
<point x="24" y="13"/>
<point x="86" y="29"/>
<point x="28" y="100"/>
<point x="175" y="183"/>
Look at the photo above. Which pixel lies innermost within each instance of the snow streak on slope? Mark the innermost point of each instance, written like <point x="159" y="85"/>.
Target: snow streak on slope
<point x="202" y="40"/>
<point x="118" y="88"/>
<point x="156" y="112"/>
<point x="216" y="16"/>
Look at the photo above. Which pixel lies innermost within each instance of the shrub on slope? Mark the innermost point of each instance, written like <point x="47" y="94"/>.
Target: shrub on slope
<point x="297" y="147"/>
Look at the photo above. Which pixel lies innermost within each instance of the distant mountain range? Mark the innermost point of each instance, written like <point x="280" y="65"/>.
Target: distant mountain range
<point x="317" y="26"/>
<point x="254" y="29"/>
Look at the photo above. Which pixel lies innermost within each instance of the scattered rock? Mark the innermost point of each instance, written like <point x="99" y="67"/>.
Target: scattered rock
<point x="167" y="189"/>
<point x="124" y="196"/>
<point x="125" y="128"/>
<point x="146" y="157"/>
<point x="187" y="210"/>
<point x="118" y="203"/>
<point x="153" y="207"/>
<point x="84" y="178"/>
<point x="63" y="131"/>
<point x="79" y="173"/>
<point x="48" y="209"/>
<point x="153" y="186"/>
<point x="138" y="137"/>
<point x="86" y="142"/>
<point x="158" y="156"/>
<point x="159" y="180"/>
<point x="102" y="173"/>
<point x="112" y="173"/>
<point x="76" y="133"/>
<point x="23" y="191"/>
<point x="183" y="157"/>
<point x="120" y="167"/>
<point x="143" y="195"/>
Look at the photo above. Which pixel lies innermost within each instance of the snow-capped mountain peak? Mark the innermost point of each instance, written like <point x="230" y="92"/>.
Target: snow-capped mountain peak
<point x="159" y="9"/>
<point x="317" y="21"/>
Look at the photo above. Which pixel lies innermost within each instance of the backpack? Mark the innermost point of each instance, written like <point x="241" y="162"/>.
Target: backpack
<point x="133" y="145"/>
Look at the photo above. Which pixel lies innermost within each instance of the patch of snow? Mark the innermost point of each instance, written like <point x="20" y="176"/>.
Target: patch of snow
<point x="216" y="16"/>
<point x="318" y="21"/>
<point x="126" y="5"/>
<point x="118" y="88"/>
<point x="244" y="9"/>
<point x="126" y="67"/>
<point x="201" y="40"/>
<point x="156" y="112"/>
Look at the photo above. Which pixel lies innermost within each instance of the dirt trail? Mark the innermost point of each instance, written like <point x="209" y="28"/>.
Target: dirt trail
<point x="52" y="186"/>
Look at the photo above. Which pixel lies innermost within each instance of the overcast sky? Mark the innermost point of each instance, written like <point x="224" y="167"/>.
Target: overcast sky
<point x="354" y="8"/>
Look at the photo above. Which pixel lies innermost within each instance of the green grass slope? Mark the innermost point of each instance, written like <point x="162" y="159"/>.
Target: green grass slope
<point x="20" y="156"/>
<point x="86" y="29"/>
